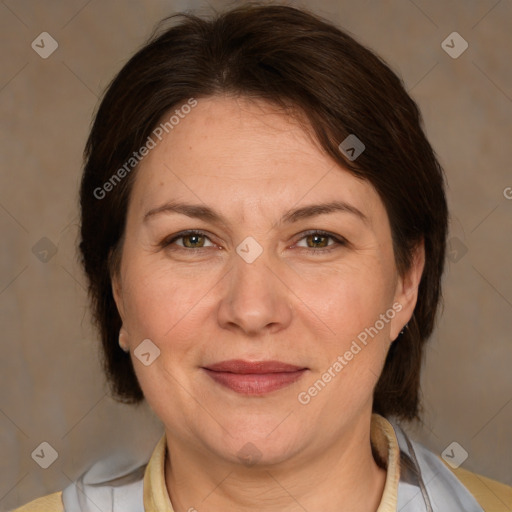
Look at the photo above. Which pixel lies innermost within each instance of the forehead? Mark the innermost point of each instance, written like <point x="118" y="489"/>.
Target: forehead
<point x="227" y="130"/>
<point x="234" y="150"/>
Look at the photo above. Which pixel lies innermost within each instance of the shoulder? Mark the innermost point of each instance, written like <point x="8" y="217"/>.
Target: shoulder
<point x="490" y="494"/>
<point x="115" y="482"/>
<point x="457" y="489"/>
<point x="48" y="503"/>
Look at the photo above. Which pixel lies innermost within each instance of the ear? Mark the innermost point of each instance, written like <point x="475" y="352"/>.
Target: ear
<point x="406" y="292"/>
<point x="117" y="292"/>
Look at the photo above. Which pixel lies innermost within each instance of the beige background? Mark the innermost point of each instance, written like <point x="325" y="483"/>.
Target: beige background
<point x="52" y="387"/>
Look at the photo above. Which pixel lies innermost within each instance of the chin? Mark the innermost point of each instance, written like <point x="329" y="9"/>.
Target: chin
<point x="259" y="446"/>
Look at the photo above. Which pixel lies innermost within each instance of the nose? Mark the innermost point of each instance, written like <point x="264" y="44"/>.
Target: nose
<point x="255" y="301"/>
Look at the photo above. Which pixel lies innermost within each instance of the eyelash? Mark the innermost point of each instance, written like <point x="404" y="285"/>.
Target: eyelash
<point x="338" y="241"/>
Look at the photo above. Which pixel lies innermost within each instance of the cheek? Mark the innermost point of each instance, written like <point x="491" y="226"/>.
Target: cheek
<point x="349" y="298"/>
<point x="349" y="359"/>
<point x="168" y="309"/>
<point x="161" y="302"/>
<point x="350" y="303"/>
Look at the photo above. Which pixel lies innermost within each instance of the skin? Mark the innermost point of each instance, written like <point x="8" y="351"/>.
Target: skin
<point x="296" y="303"/>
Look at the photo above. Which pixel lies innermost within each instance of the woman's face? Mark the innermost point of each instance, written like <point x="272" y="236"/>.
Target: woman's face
<point x="291" y="261"/>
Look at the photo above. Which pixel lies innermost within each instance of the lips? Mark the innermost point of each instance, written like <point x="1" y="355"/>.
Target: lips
<point x="257" y="367"/>
<point x="254" y="377"/>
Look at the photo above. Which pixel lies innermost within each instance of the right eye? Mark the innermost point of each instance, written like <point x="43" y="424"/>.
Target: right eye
<point x="190" y="239"/>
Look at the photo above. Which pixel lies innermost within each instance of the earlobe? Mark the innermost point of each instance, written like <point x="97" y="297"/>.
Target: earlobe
<point x="123" y="340"/>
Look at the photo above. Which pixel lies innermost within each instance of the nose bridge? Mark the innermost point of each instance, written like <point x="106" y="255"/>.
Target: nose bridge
<point x="252" y="275"/>
<point x="252" y="281"/>
<point x="254" y="298"/>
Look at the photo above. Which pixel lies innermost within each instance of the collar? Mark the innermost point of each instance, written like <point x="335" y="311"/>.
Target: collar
<point x="382" y="437"/>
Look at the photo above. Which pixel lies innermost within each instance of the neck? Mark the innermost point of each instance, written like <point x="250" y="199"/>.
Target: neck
<point x="342" y="478"/>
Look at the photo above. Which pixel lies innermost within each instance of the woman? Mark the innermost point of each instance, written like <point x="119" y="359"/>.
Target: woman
<point x="263" y="230"/>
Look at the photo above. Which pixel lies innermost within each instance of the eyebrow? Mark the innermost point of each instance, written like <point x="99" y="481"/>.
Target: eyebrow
<point x="206" y="213"/>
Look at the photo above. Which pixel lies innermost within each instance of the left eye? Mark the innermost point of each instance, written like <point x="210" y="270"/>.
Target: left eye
<point x="318" y="240"/>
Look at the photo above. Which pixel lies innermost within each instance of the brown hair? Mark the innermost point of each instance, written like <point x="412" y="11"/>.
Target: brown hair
<point x="302" y="63"/>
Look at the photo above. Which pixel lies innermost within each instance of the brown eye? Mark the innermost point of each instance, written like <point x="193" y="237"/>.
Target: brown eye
<point x="193" y="241"/>
<point x="323" y="241"/>
<point x="188" y="240"/>
<point x="317" y="240"/>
